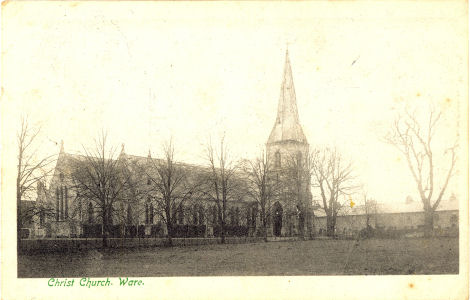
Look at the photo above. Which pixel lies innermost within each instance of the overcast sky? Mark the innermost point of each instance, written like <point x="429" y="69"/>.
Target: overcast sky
<point x="147" y="71"/>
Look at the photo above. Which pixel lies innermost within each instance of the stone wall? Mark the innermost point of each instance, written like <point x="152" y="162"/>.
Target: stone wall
<point x="446" y="219"/>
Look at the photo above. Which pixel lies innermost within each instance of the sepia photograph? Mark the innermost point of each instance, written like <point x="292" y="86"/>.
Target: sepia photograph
<point x="311" y="149"/>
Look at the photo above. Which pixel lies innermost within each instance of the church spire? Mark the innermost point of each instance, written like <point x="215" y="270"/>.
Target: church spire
<point x="287" y="125"/>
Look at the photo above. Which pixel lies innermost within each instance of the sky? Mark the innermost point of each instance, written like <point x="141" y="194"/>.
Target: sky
<point x="150" y="71"/>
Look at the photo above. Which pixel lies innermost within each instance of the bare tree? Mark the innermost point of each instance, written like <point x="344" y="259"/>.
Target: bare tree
<point x="414" y="141"/>
<point x="98" y="178"/>
<point x="370" y="210"/>
<point x="262" y="185"/>
<point x="221" y="182"/>
<point x="32" y="172"/>
<point x="135" y="197"/>
<point x="171" y="187"/>
<point x="334" y="178"/>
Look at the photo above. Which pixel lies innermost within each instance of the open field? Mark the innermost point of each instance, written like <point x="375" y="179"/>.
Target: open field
<point x="317" y="257"/>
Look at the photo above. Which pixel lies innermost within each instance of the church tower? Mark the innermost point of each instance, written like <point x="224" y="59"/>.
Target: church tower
<point x="287" y="147"/>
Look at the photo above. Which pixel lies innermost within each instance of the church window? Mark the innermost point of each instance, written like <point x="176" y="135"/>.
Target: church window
<point x="61" y="203"/>
<point x="299" y="158"/>
<point x="90" y="212"/>
<point x="214" y="215"/>
<point x="195" y="221"/>
<point x="232" y="217"/>
<point x="254" y="213"/>
<point x="129" y="214"/>
<point x="146" y="213"/>
<point x="180" y="215"/>
<point x="42" y="217"/>
<point x="237" y="216"/>
<point x="110" y="215"/>
<point x="151" y="213"/>
<point x="277" y="159"/>
<point x="201" y="215"/>
<point x="248" y="216"/>
<point x="66" y="200"/>
<point x="57" y="204"/>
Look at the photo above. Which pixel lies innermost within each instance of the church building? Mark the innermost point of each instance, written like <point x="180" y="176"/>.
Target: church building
<point x="290" y="214"/>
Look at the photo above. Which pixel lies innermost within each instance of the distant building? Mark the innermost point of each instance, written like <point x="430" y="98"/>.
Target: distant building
<point x="406" y="218"/>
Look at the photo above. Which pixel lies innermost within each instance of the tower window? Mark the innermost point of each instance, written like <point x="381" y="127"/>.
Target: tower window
<point x="277" y="159"/>
<point x="299" y="158"/>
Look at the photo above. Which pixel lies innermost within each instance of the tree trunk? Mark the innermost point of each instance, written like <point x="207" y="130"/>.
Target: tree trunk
<point x="265" y="223"/>
<point x="302" y="225"/>
<point x="104" y="229"/>
<point x="428" y="222"/>
<point x="330" y="226"/>
<point x="311" y="226"/>
<point x="169" y="229"/>
<point x="265" y="229"/>
<point x="222" y="233"/>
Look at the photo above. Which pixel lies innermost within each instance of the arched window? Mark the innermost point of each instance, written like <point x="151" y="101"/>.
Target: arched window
<point x="61" y="203"/>
<point x="254" y="213"/>
<point x="151" y="214"/>
<point x="146" y="213"/>
<point x="237" y="216"/>
<point x="201" y="215"/>
<point x="248" y="216"/>
<point x="194" y="213"/>
<point x="66" y="200"/>
<point x="299" y="158"/>
<point x="277" y="159"/>
<point x="232" y="216"/>
<point x="42" y="217"/>
<point x="180" y="215"/>
<point x="214" y="215"/>
<point x="90" y="212"/>
<point x="57" y="204"/>
<point x="129" y="214"/>
<point x="110" y="215"/>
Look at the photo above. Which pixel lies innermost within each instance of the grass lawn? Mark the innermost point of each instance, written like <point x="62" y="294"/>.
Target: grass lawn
<point x="317" y="257"/>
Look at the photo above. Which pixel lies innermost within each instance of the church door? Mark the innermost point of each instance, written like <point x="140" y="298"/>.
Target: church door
<point x="277" y="224"/>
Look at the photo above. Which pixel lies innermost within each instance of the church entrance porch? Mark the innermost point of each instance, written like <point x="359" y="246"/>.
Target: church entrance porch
<point x="277" y="219"/>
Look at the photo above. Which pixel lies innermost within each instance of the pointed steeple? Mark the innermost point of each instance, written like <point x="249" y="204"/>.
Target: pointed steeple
<point x="149" y="155"/>
<point x="61" y="146"/>
<point x="287" y="125"/>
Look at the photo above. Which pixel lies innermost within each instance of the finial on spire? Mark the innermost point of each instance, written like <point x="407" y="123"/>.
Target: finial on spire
<point x="122" y="148"/>
<point x="149" y="155"/>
